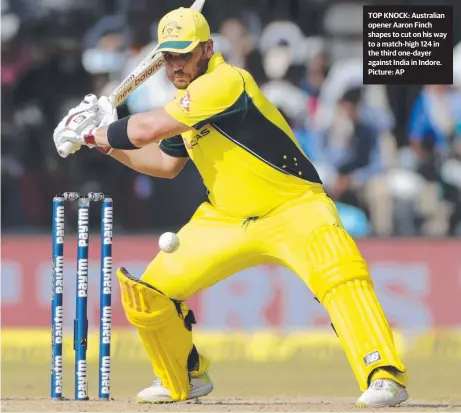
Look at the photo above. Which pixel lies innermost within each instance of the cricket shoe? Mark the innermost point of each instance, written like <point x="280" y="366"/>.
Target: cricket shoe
<point x="382" y="393"/>
<point x="199" y="386"/>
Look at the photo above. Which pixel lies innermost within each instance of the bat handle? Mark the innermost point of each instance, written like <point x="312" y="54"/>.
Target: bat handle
<point x="65" y="149"/>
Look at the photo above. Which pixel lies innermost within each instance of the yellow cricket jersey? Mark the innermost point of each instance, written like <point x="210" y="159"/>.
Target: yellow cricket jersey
<point x="242" y="146"/>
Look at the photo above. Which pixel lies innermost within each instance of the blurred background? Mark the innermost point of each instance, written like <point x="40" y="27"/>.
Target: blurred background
<point x="389" y="156"/>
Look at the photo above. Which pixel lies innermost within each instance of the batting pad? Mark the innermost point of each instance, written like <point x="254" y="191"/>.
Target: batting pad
<point x="162" y="331"/>
<point x="340" y="279"/>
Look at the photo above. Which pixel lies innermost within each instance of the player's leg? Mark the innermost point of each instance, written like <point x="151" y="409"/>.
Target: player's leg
<point x="165" y="328"/>
<point x="213" y="246"/>
<point x="309" y="239"/>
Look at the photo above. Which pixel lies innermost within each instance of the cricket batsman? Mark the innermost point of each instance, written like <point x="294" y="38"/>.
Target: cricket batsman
<point x="266" y="205"/>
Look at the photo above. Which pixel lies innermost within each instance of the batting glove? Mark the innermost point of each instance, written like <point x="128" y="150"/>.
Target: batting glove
<point x="70" y="134"/>
<point x="108" y="113"/>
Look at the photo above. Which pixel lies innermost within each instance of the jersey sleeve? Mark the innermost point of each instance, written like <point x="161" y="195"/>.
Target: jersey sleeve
<point x="211" y="97"/>
<point x="174" y="147"/>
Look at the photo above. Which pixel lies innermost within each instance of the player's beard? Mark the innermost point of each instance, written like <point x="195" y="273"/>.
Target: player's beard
<point x="184" y="80"/>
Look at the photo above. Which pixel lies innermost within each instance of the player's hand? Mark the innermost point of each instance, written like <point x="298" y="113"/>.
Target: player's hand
<point x="108" y="113"/>
<point x="70" y="133"/>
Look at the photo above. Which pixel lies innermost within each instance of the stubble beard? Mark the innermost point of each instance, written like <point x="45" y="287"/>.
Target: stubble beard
<point x="202" y="67"/>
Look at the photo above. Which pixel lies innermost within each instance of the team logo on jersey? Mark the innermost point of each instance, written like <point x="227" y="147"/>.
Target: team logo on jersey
<point x="171" y="29"/>
<point x="185" y="102"/>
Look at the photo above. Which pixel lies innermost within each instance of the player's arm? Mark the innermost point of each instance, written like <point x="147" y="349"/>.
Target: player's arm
<point x="210" y="98"/>
<point x="152" y="160"/>
<point x="206" y="99"/>
<point x="139" y="130"/>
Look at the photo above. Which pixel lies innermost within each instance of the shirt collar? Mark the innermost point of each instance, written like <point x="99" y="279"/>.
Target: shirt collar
<point x="215" y="61"/>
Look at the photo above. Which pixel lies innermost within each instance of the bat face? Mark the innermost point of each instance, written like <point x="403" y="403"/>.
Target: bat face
<point x="134" y="81"/>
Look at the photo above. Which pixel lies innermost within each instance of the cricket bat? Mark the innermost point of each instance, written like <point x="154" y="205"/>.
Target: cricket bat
<point x="150" y="65"/>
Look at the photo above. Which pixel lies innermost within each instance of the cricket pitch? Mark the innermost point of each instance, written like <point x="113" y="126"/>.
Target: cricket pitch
<point x="295" y="386"/>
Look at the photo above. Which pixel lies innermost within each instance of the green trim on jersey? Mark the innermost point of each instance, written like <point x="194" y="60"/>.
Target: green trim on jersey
<point x="174" y="147"/>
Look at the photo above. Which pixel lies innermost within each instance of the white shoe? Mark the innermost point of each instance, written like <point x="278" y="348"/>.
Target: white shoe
<point x="382" y="393"/>
<point x="199" y="386"/>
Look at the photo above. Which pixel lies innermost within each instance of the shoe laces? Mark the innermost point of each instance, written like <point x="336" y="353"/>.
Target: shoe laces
<point x="377" y="384"/>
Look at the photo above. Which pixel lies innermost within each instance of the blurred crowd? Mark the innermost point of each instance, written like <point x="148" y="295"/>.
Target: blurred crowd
<point x="390" y="156"/>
